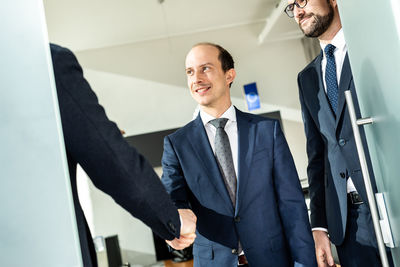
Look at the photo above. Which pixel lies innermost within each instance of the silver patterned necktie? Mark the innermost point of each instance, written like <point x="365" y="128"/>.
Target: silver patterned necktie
<point x="223" y="154"/>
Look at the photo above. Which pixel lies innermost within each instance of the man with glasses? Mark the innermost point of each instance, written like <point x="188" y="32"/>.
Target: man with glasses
<point x="339" y="208"/>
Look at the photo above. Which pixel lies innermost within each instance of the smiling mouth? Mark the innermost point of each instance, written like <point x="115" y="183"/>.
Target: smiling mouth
<point x="304" y="19"/>
<point x="202" y="90"/>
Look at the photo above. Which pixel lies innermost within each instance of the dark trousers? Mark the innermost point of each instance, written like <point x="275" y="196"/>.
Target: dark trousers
<point x="360" y="247"/>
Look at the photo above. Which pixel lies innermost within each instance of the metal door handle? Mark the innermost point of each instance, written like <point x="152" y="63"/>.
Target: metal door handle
<point x="367" y="180"/>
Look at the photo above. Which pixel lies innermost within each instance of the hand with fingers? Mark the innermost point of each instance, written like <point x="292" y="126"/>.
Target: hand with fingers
<point x="188" y="230"/>
<point x="323" y="249"/>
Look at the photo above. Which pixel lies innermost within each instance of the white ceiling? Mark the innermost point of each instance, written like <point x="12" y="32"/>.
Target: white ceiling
<point x="88" y="24"/>
<point x="149" y="40"/>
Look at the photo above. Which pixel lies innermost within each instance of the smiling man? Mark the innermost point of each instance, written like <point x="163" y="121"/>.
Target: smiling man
<point x="235" y="171"/>
<point x="339" y="208"/>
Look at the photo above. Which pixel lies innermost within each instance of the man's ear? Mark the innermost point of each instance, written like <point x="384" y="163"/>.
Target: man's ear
<point x="230" y="75"/>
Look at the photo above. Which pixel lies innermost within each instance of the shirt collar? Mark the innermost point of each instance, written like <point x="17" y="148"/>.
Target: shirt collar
<point x="230" y="114"/>
<point x="338" y="41"/>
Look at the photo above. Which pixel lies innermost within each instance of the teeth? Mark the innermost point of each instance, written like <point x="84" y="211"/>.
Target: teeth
<point x="201" y="90"/>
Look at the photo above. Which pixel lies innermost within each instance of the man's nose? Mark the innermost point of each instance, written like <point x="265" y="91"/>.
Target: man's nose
<point x="298" y="12"/>
<point x="197" y="78"/>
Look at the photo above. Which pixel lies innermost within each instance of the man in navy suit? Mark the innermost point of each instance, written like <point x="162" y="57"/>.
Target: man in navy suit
<point x="249" y="204"/>
<point x="96" y="144"/>
<point x="339" y="207"/>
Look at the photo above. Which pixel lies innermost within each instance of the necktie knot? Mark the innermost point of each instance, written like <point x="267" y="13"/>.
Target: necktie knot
<point x="329" y="49"/>
<point x="219" y="123"/>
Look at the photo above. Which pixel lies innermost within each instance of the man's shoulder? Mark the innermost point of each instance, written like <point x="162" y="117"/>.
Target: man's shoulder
<point x="57" y="50"/>
<point x="183" y="131"/>
<point x="54" y="48"/>
<point x="63" y="59"/>
<point x="311" y="65"/>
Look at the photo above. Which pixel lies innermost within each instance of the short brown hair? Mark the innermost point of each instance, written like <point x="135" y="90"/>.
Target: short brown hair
<point x="224" y="56"/>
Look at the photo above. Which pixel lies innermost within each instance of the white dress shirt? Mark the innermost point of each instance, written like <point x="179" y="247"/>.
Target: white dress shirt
<point x="340" y="53"/>
<point x="230" y="129"/>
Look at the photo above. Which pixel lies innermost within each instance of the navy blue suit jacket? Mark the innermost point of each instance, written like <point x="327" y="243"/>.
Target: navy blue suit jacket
<point x="95" y="143"/>
<point x="270" y="218"/>
<point x="332" y="154"/>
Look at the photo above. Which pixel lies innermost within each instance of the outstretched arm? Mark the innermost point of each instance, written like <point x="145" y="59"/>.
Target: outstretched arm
<point x="95" y="142"/>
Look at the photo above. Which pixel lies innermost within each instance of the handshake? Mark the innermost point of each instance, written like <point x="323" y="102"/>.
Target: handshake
<point x="188" y="229"/>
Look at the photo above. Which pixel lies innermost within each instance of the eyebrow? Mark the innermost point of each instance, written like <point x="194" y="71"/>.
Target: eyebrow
<point x="202" y="65"/>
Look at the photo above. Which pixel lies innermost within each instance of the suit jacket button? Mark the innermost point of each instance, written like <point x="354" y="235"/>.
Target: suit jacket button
<point x="343" y="175"/>
<point x="342" y="142"/>
<point x="234" y="251"/>
<point x="237" y="219"/>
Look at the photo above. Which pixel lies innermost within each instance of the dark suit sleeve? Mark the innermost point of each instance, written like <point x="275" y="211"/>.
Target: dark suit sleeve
<point x="292" y="207"/>
<point x="95" y="142"/>
<point x="172" y="177"/>
<point x="315" y="169"/>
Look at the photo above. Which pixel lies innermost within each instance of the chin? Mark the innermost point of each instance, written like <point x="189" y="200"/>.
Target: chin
<point x="201" y="102"/>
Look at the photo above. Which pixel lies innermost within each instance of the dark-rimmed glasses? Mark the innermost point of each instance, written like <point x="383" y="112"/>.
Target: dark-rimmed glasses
<point x="290" y="8"/>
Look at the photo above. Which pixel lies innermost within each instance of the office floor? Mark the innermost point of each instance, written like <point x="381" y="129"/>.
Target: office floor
<point x="145" y="263"/>
<point x="170" y="263"/>
<point x="189" y="264"/>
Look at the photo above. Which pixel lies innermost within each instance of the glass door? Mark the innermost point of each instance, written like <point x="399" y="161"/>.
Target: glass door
<point x="372" y="33"/>
<point x="37" y="225"/>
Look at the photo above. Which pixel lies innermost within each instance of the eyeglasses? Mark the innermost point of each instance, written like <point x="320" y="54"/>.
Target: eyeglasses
<point x="290" y="8"/>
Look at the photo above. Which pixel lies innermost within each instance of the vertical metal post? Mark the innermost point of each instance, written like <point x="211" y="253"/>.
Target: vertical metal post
<point x="366" y="177"/>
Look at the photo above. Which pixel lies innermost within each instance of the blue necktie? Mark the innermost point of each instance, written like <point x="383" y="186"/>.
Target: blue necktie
<point x="332" y="90"/>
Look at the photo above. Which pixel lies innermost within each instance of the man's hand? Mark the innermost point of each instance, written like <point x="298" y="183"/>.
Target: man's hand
<point x="188" y="229"/>
<point x="183" y="242"/>
<point x="323" y="249"/>
<point x="188" y="220"/>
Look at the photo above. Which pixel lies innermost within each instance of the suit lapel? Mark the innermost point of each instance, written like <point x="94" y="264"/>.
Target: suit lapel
<point x="246" y="138"/>
<point x="345" y="81"/>
<point x="315" y="87"/>
<point x="199" y="140"/>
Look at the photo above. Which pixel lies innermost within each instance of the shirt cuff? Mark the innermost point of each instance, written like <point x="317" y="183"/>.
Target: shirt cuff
<point x="319" y="229"/>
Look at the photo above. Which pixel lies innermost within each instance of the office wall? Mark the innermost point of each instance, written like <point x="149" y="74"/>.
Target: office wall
<point x="274" y="66"/>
